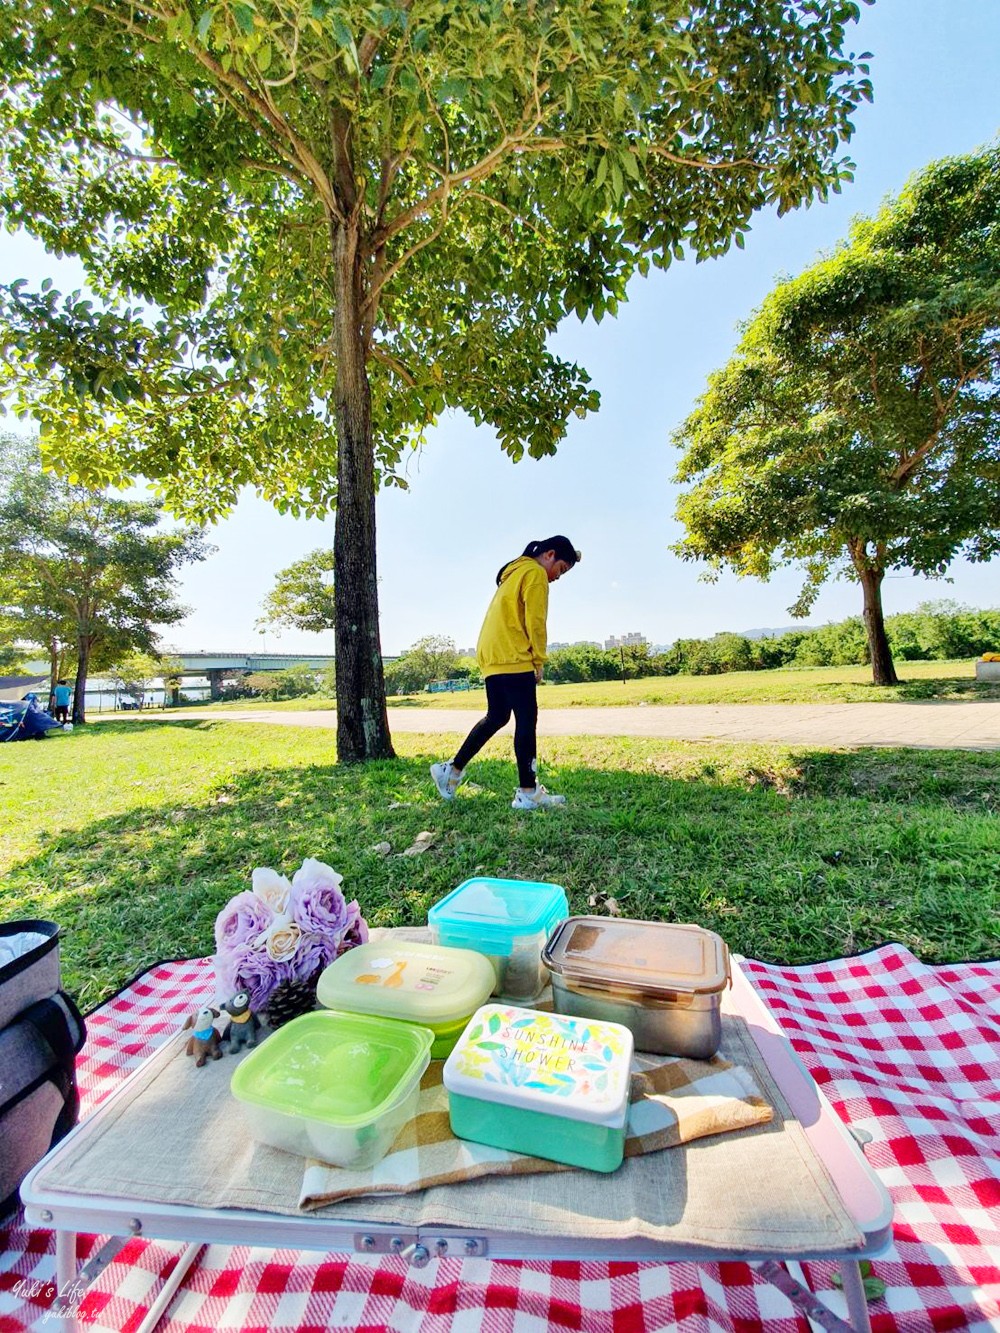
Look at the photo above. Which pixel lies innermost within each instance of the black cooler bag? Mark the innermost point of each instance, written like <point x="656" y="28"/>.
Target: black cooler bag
<point x="41" y="1032"/>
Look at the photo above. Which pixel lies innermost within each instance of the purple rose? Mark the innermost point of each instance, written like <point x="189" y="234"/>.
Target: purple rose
<point x="356" y="930"/>
<point x="258" y="975"/>
<point x="241" y="921"/>
<point x="314" y="953"/>
<point x="316" y="901"/>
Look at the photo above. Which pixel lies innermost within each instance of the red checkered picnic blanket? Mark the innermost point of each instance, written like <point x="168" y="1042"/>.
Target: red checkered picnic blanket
<point x="908" y="1053"/>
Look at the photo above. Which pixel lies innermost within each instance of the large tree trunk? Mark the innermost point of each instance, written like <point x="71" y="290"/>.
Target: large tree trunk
<point x="883" y="670"/>
<point x="362" y="721"/>
<point x="80" y="684"/>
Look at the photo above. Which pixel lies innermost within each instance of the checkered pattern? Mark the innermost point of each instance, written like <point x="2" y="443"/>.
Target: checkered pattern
<point x="908" y="1053"/>
<point x="911" y="1055"/>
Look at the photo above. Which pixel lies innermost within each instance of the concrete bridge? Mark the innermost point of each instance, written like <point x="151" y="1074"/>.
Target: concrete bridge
<point x="215" y="666"/>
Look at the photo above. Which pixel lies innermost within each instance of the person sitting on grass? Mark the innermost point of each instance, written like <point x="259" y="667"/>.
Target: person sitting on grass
<point x="511" y="656"/>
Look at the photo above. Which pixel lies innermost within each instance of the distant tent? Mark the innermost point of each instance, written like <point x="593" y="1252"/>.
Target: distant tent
<point x="24" y="722"/>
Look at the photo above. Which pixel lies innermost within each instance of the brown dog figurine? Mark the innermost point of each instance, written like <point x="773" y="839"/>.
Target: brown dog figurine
<point x="204" y="1040"/>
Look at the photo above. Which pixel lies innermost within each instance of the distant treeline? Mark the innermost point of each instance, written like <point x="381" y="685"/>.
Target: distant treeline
<point x="935" y="631"/>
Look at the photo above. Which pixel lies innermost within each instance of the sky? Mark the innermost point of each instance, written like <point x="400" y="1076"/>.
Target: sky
<point x="936" y="76"/>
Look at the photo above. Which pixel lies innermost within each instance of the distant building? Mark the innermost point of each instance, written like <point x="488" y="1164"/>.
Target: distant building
<point x="635" y="640"/>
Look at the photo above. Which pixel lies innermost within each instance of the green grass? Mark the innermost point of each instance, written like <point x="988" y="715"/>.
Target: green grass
<point x="132" y="835"/>
<point x="803" y="685"/>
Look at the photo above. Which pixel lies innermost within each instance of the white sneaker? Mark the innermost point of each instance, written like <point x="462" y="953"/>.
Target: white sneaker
<point x="539" y="799"/>
<point x="446" y="779"/>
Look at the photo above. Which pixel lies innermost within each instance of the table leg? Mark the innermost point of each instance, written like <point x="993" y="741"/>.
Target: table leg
<point x="159" y="1307"/>
<point x="857" y="1302"/>
<point x="66" y="1275"/>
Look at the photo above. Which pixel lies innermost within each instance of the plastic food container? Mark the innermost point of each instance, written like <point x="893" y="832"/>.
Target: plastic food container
<point x="509" y="920"/>
<point x="542" y="1084"/>
<point x="335" y="1086"/>
<point x="663" y="981"/>
<point x="419" y="983"/>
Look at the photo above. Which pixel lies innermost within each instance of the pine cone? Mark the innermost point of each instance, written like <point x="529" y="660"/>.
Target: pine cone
<point x="289" y="999"/>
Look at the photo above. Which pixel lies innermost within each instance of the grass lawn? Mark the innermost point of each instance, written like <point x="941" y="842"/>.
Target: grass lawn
<point x="803" y="685"/>
<point x="132" y="835"/>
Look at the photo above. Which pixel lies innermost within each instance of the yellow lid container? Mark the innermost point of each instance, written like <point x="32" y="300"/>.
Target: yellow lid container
<point x="429" y="984"/>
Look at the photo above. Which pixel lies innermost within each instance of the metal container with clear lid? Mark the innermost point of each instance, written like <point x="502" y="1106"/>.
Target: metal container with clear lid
<point x="662" y="981"/>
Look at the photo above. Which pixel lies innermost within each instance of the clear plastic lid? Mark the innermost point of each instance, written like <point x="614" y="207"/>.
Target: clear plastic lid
<point x="653" y="958"/>
<point x="344" y="1069"/>
<point x="421" y="983"/>
<point x="491" y="915"/>
<point x="578" y="1068"/>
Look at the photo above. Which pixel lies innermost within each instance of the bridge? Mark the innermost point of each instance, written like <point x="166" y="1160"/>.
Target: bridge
<point x="217" y="665"/>
<point x="200" y="664"/>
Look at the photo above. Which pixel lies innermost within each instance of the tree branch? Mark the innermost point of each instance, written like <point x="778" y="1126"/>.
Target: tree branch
<point x="243" y="97"/>
<point x="397" y="367"/>
<point x="698" y="164"/>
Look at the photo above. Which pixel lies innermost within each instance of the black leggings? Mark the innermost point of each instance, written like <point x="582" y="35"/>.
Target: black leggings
<point x="506" y="694"/>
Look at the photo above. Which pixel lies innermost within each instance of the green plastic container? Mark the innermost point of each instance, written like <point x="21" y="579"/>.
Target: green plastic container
<point x="543" y="1084"/>
<point x="335" y="1086"/>
<point x="438" y="988"/>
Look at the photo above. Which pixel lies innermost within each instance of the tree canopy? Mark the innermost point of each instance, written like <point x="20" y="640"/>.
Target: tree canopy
<point x="311" y="227"/>
<point x="302" y="596"/>
<point x="88" y="569"/>
<point x="431" y="658"/>
<point x="856" y="430"/>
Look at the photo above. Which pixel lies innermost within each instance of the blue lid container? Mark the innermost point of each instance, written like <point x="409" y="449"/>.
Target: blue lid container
<point x="510" y="921"/>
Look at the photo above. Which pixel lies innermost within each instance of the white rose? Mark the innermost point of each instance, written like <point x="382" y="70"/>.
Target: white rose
<point x="282" y="941"/>
<point x="315" y="874"/>
<point x="272" y="888"/>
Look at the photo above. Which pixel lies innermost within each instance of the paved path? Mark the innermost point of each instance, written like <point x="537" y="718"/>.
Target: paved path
<point x="932" y="725"/>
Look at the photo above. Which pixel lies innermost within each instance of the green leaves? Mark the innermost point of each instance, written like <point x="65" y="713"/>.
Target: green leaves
<point x="505" y="165"/>
<point x="874" y="1288"/>
<point x="855" y="429"/>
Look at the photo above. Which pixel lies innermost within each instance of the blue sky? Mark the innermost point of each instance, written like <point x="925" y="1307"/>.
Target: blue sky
<point x="936" y="73"/>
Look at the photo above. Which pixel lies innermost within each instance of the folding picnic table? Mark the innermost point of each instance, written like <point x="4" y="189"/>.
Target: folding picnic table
<point x="103" y="1209"/>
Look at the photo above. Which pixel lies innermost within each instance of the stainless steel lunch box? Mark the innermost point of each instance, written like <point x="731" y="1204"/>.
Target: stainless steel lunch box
<point x="662" y="981"/>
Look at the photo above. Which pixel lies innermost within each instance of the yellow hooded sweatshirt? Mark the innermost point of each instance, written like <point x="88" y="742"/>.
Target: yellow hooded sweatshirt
<point x="513" y="637"/>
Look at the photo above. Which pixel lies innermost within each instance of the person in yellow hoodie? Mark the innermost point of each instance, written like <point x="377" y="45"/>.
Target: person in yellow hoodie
<point x="511" y="656"/>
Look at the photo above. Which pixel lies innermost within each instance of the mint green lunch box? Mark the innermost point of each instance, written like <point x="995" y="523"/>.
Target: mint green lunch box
<point x="543" y="1084"/>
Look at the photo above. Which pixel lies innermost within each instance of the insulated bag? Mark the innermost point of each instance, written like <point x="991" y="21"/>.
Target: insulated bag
<point x="41" y="1032"/>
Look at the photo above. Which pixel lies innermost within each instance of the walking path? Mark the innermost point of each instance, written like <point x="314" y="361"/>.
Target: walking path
<point x="930" y="725"/>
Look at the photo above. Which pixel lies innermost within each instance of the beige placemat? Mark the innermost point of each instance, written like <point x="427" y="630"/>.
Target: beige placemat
<point x="672" y="1102"/>
<point x="175" y="1135"/>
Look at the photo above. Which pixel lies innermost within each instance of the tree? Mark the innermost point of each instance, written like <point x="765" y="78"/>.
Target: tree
<point x="350" y="215"/>
<point x="295" y="682"/>
<point x="171" y="671"/>
<point x="95" y="565"/>
<point x="433" y="657"/>
<point x="134" y="674"/>
<point x="855" y="430"/>
<point x="302" y="596"/>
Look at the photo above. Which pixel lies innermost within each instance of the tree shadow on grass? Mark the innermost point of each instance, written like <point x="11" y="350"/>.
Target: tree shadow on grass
<point x="820" y="856"/>
<point x="944" y="689"/>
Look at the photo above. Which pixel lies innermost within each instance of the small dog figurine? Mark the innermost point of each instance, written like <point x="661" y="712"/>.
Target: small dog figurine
<point x="204" y="1040"/>
<point x="244" y="1024"/>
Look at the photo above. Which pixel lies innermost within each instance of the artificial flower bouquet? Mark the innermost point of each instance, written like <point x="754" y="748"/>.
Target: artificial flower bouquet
<point x="279" y="934"/>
